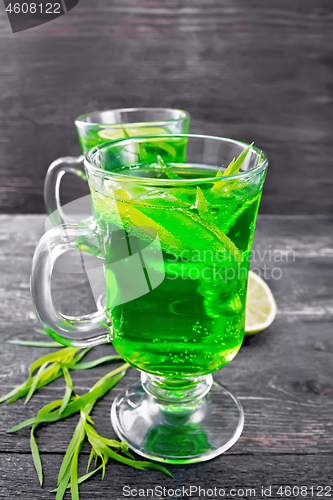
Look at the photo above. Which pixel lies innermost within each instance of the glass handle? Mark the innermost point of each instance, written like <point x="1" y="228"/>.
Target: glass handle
<point x="84" y="331"/>
<point x="57" y="169"/>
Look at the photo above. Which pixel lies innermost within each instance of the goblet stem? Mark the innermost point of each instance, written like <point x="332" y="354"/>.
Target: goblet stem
<point x="177" y="420"/>
<point x="176" y="395"/>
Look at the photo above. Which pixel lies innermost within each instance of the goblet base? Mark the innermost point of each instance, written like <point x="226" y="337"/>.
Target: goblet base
<point x="178" y="433"/>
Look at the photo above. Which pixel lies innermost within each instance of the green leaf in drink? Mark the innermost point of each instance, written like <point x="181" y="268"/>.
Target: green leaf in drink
<point x="235" y="165"/>
<point x="201" y="202"/>
<point x="166" y="169"/>
<point x="225" y="188"/>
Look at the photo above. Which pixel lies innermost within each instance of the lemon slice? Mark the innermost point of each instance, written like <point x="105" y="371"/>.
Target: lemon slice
<point x="260" y="305"/>
<point x="111" y="134"/>
<point x="137" y="131"/>
<point x="114" y="133"/>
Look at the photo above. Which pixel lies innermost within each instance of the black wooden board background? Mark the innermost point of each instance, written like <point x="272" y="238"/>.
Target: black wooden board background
<point x="253" y="70"/>
<point x="283" y="376"/>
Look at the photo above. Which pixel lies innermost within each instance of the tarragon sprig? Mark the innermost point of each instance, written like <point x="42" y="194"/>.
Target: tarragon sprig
<point x="65" y="358"/>
<point x="33" y="445"/>
<point x="74" y="405"/>
<point x="34" y="343"/>
<point x="232" y="169"/>
<point x="220" y="188"/>
<point x="50" y="368"/>
<point x="223" y="189"/>
<point x="101" y="447"/>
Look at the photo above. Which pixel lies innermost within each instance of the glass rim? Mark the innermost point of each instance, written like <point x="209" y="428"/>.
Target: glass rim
<point x="88" y="162"/>
<point x="81" y="119"/>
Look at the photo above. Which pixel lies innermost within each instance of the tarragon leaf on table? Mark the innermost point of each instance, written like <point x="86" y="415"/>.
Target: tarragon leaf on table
<point x="69" y="388"/>
<point x="33" y="445"/>
<point x="35" y="381"/>
<point x="93" y="364"/>
<point x="32" y="343"/>
<point x="69" y="453"/>
<point x="78" y="403"/>
<point x="51" y="373"/>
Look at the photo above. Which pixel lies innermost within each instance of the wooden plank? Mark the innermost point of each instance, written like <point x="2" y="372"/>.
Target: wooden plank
<point x="229" y="473"/>
<point x="282" y="376"/>
<point x="247" y="69"/>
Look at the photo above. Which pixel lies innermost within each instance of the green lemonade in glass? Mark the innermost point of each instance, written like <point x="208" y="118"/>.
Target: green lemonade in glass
<point x="193" y="322"/>
<point x="172" y="227"/>
<point x="99" y="127"/>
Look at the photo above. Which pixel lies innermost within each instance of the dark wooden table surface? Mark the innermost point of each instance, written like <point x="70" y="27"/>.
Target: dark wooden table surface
<point x="283" y="376"/>
<point x="254" y="70"/>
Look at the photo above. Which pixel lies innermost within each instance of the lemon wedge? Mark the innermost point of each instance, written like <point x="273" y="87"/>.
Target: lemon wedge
<point x="114" y="133"/>
<point x="111" y="134"/>
<point x="260" y="305"/>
